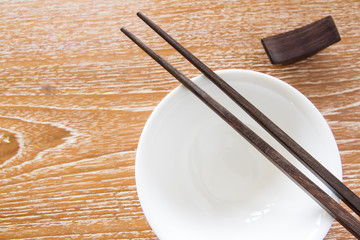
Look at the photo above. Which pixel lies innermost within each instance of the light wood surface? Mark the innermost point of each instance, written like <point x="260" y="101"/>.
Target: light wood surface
<point x="75" y="94"/>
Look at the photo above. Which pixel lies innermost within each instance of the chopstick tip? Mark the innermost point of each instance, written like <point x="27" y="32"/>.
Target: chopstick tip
<point x="124" y="30"/>
<point x="140" y="15"/>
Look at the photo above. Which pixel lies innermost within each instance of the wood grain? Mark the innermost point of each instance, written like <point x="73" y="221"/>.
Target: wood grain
<point x="75" y="95"/>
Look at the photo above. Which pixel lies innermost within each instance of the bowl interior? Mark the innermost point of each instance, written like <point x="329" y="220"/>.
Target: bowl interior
<point x="199" y="179"/>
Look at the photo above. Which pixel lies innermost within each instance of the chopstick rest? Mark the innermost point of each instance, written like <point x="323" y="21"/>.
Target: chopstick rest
<point x="303" y="42"/>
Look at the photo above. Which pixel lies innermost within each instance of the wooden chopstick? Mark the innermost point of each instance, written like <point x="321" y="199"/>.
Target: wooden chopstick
<point x="343" y="192"/>
<point x="328" y="203"/>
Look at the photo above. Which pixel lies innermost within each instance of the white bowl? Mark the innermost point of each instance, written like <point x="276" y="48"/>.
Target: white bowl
<point x="199" y="179"/>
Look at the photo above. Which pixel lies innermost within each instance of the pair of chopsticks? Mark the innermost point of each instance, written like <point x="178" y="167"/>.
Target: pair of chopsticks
<point x="328" y="203"/>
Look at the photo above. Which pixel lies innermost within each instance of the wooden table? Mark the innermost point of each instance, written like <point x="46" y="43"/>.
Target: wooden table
<point x="75" y="94"/>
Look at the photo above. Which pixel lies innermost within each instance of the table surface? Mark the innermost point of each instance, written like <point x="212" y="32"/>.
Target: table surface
<point x="75" y="94"/>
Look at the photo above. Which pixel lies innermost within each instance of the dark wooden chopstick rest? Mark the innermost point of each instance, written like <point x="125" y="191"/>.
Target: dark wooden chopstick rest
<point x="303" y="42"/>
